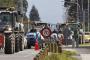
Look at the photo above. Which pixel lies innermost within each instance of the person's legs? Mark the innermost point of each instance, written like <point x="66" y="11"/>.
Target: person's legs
<point x="77" y="42"/>
<point x="73" y="43"/>
<point x="65" y="41"/>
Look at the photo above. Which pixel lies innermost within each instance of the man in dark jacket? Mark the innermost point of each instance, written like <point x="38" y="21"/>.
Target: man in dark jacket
<point x="76" y="37"/>
<point x="66" y="33"/>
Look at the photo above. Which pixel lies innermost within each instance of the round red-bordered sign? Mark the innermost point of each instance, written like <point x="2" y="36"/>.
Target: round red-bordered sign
<point x="46" y="32"/>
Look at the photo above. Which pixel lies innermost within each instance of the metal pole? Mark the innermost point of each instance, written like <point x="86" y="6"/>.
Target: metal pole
<point x="83" y="23"/>
<point x="28" y="25"/>
<point x="21" y="6"/>
<point x="84" y="20"/>
<point x="21" y="9"/>
<point x="21" y="13"/>
<point x="77" y="40"/>
<point x="83" y="16"/>
<point x="77" y="12"/>
<point x="83" y="26"/>
<point x="88" y="16"/>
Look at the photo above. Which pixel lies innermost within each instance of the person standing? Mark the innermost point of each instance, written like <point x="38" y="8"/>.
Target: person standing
<point x="76" y="37"/>
<point x="72" y="39"/>
<point x="66" y="33"/>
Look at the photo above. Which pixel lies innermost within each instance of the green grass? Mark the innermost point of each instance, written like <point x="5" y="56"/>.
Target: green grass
<point x="85" y="44"/>
<point x="66" y="55"/>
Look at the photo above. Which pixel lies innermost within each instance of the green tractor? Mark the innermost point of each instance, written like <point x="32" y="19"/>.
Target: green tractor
<point x="12" y="35"/>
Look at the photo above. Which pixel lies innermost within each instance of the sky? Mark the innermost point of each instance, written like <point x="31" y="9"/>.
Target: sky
<point x="51" y="11"/>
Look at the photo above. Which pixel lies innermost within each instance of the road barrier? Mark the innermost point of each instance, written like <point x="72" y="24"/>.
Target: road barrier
<point x="50" y="47"/>
<point x="42" y="54"/>
<point x="54" y="48"/>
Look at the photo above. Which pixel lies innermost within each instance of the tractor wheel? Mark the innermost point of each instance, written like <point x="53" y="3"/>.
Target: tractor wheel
<point x="17" y="49"/>
<point x="21" y="44"/>
<point x="9" y="46"/>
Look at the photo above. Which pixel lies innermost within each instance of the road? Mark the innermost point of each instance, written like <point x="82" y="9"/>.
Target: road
<point x="84" y="52"/>
<point x="27" y="54"/>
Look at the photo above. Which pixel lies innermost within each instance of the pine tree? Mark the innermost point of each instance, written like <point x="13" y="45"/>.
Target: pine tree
<point x="34" y="15"/>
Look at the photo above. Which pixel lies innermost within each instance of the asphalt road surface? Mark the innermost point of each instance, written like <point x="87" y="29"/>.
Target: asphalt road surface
<point x="84" y="52"/>
<point x="27" y="54"/>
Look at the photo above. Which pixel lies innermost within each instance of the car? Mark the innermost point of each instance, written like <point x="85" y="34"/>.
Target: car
<point x="86" y="37"/>
<point x="31" y="38"/>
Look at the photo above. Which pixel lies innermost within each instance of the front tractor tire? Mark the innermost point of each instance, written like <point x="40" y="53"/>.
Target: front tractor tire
<point x="21" y="42"/>
<point x="9" y="43"/>
<point x="17" y="48"/>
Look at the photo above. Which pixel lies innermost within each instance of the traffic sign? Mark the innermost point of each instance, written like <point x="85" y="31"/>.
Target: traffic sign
<point x="46" y="32"/>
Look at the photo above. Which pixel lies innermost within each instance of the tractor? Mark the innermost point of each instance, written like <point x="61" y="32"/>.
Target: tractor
<point x="11" y="30"/>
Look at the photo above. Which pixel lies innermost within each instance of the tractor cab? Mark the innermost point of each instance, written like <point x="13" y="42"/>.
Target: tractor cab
<point x="10" y="35"/>
<point x="7" y="20"/>
<point x="73" y="26"/>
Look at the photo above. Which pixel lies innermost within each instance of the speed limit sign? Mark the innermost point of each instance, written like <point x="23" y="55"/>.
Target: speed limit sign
<point x="45" y="32"/>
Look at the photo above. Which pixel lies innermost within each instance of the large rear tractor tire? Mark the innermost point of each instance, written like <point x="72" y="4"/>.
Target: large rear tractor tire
<point x="9" y="44"/>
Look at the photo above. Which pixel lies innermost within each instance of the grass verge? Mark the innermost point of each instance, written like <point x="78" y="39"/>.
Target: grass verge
<point x="65" y="55"/>
<point x="85" y="44"/>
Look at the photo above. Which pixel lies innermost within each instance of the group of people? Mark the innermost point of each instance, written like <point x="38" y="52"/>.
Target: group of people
<point x="67" y="36"/>
<point x="71" y="36"/>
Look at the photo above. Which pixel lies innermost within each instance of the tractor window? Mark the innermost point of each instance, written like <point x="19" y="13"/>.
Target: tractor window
<point x="73" y="26"/>
<point x="5" y="18"/>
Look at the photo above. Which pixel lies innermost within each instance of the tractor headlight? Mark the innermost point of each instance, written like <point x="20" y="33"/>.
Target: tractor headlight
<point x="9" y="28"/>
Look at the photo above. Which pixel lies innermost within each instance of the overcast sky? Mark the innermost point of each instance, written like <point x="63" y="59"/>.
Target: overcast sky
<point x="51" y="11"/>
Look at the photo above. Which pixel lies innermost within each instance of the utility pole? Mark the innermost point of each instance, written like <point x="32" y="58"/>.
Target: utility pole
<point x="83" y="12"/>
<point x="21" y="9"/>
<point x="77" y="40"/>
<point x="88" y="16"/>
<point x="28" y="24"/>
<point x="19" y="6"/>
<point x="77" y="12"/>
